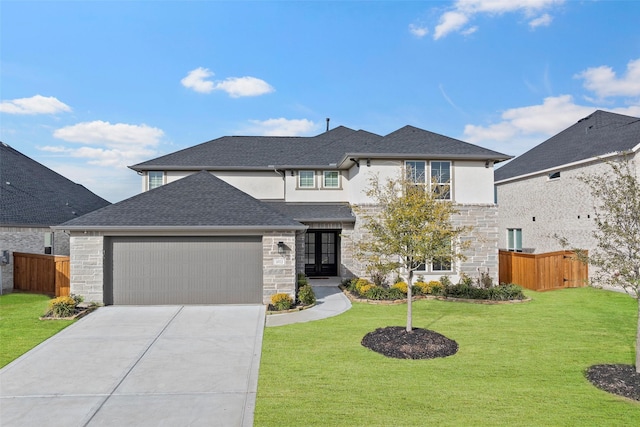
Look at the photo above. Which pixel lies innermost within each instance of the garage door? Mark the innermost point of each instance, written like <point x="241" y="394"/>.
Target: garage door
<point x="184" y="270"/>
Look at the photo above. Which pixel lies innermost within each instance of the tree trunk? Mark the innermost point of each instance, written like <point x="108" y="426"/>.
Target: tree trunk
<point x="638" y="339"/>
<point x="409" y="303"/>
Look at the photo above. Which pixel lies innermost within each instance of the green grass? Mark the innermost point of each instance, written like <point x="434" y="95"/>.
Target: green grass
<point x="20" y="326"/>
<point x="517" y="365"/>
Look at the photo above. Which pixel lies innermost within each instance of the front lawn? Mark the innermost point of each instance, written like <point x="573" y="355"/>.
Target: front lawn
<point x="20" y="326"/>
<point x="517" y="364"/>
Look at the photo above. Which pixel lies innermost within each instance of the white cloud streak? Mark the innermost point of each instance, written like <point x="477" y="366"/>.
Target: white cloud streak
<point x="199" y="81"/>
<point x="106" y="144"/>
<point x="37" y="104"/>
<point x="418" y="30"/>
<point x="463" y="11"/>
<point x="281" y="127"/>
<point x="604" y="82"/>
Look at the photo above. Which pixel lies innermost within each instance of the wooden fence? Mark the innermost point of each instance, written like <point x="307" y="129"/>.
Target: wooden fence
<point x="543" y="272"/>
<point x="45" y="274"/>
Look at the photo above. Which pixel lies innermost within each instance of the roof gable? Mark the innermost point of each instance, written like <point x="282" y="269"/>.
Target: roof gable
<point x="200" y="200"/>
<point x="596" y="135"/>
<point x="33" y="195"/>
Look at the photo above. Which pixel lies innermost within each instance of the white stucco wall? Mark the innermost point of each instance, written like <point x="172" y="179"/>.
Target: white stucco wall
<point x="293" y="193"/>
<point x="472" y="182"/>
<point x="360" y="177"/>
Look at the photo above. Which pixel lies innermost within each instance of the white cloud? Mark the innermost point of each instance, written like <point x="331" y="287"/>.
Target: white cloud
<point x="244" y="86"/>
<point x="37" y="104"/>
<point x="604" y="82"/>
<point x="196" y="80"/>
<point x="281" y="127"/>
<point x="541" y="21"/>
<point x="235" y="87"/>
<point x="523" y="127"/>
<point x="418" y="30"/>
<point x="106" y="144"/>
<point x="463" y="11"/>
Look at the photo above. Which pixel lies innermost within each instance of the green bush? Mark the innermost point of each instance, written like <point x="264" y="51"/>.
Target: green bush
<point x="374" y="292"/>
<point x="302" y="279"/>
<point x="306" y="295"/>
<point x="402" y="286"/>
<point x="281" y="301"/>
<point x="394" y="293"/>
<point x="503" y="292"/>
<point x="63" y="306"/>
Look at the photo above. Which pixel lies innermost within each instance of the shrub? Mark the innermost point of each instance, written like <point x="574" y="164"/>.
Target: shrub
<point x="281" y="301"/>
<point x="445" y="281"/>
<point x="302" y="279"/>
<point x="360" y="283"/>
<point x="306" y="295"/>
<point x="402" y="286"/>
<point x="432" y="287"/>
<point x="62" y="306"/>
<point x="394" y="293"/>
<point x="362" y="290"/>
<point x="485" y="280"/>
<point x="374" y="292"/>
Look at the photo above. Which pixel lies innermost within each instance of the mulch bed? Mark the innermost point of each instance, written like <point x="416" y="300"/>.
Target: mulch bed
<point x="395" y="341"/>
<point x="622" y="380"/>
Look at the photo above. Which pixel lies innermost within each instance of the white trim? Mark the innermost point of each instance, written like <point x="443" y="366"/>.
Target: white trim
<point x="566" y="165"/>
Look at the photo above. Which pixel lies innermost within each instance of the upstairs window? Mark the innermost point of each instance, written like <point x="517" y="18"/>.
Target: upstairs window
<point x="331" y="179"/>
<point x="306" y="179"/>
<point x="156" y="179"/>
<point x="514" y="239"/>
<point x="416" y="171"/>
<point x="441" y="178"/>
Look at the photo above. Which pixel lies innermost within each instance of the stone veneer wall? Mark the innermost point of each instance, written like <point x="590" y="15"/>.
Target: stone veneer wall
<point x="483" y="254"/>
<point x="87" y="266"/>
<point x="279" y="271"/>
<point x="28" y="240"/>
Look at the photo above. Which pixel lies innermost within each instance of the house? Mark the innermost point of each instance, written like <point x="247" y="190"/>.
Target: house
<point x="235" y="219"/>
<point x="32" y="199"/>
<point x="539" y="194"/>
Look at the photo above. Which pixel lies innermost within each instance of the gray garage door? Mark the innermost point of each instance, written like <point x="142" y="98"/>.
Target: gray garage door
<point x="184" y="270"/>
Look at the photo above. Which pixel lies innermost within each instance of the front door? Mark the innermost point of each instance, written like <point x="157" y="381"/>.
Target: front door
<point x="321" y="253"/>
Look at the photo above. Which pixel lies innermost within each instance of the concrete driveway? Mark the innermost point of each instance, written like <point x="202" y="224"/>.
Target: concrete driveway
<point x="142" y="366"/>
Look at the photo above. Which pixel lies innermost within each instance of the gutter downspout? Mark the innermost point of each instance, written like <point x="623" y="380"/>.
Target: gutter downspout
<point x="284" y="181"/>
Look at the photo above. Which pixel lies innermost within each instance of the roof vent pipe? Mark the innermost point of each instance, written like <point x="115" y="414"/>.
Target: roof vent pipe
<point x="328" y="119"/>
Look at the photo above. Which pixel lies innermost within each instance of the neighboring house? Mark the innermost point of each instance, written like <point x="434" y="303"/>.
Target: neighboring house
<point x="33" y="198"/>
<point x="539" y="195"/>
<point x="266" y="209"/>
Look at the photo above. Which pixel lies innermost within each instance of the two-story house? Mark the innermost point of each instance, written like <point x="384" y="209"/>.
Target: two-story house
<point x="235" y="219"/>
<point x="540" y="195"/>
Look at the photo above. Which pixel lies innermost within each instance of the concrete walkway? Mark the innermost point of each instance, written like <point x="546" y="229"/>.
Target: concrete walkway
<point x="330" y="301"/>
<point x="140" y="366"/>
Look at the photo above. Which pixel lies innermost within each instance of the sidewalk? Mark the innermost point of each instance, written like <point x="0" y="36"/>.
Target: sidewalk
<point x="330" y="301"/>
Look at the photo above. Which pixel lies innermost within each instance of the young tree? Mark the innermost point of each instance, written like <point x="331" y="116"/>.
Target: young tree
<point x="410" y="226"/>
<point x="616" y="197"/>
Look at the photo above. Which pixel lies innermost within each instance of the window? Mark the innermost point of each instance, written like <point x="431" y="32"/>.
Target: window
<point x="441" y="177"/>
<point x="306" y="179"/>
<point x="331" y="179"/>
<point x="156" y="179"/>
<point x="415" y="171"/>
<point x="442" y="263"/>
<point x="514" y="239"/>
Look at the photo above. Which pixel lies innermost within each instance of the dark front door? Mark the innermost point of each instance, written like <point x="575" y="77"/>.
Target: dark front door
<point x="321" y="253"/>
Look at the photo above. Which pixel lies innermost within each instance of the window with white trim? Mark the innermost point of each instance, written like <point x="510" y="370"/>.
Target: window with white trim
<point x="416" y="171"/>
<point x="441" y="178"/>
<point x="331" y="179"/>
<point x="514" y="239"/>
<point x="156" y="179"/>
<point x="306" y="179"/>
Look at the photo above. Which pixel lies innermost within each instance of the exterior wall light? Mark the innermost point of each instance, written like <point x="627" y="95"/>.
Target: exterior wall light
<point x="281" y="248"/>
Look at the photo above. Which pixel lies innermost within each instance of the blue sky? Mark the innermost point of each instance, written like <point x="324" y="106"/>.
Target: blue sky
<point x="88" y="88"/>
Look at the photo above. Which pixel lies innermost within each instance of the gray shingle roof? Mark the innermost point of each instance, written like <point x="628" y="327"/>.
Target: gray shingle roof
<point x="315" y="212"/>
<point x="199" y="201"/>
<point x="326" y="149"/>
<point x="33" y="195"/>
<point x="599" y="134"/>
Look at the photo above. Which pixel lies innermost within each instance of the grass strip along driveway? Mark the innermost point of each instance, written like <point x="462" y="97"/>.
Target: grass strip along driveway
<point x="20" y="326"/>
<point x="518" y="364"/>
